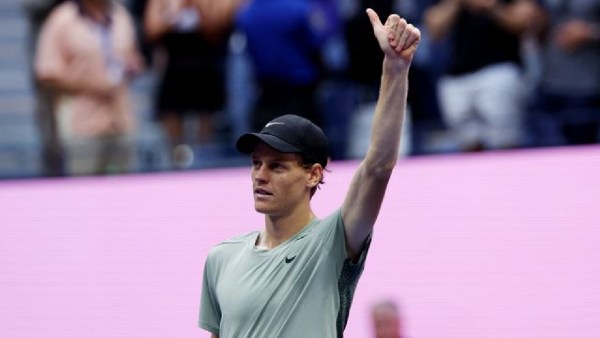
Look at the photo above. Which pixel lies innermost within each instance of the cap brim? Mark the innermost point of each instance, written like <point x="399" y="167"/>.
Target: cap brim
<point x="247" y="142"/>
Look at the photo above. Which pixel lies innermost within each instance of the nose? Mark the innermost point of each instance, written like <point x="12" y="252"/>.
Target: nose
<point x="260" y="174"/>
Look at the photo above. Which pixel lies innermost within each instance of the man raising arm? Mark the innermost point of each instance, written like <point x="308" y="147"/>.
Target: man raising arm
<point x="398" y="40"/>
<point x="297" y="275"/>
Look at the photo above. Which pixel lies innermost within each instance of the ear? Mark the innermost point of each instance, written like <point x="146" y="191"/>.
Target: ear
<point x="315" y="175"/>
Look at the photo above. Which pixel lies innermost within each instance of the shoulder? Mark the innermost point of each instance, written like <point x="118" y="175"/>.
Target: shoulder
<point x="335" y="218"/>
<point x="121" y="12"/>
<point x="239" y="239"/>
<point x="120" y="9"/>
<point x="59" y="22"/>
<point x="329" y="224"/>
<point x="63" y="13"/>
<point x="230" y="246"/>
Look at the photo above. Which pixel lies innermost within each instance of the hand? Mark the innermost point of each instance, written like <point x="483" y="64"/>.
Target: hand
<point x="397" y="39"/>
<point x="572" y="35"/>
<point x="479" y="6"/>
<point x="134" y="65"/>
<point x="84" y="77"/>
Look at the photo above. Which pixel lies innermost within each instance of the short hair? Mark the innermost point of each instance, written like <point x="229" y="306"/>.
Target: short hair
<point x="306" y="163"/>
<point x="386" y="305"/>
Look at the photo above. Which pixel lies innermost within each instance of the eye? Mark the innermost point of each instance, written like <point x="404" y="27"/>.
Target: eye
<point x="276" y="166"/>
<point x="256" y="164"/>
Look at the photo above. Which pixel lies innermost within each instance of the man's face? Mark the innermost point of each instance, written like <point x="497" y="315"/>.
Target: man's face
<point x="386" y="324"/>
<point x="280" y="183"/>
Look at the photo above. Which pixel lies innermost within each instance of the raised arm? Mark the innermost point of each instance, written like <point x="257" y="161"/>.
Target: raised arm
<point x="398" y="41"/>
<point x="440" y="17"/>
<point x="516" y="17"/>
<point x="159" y="18"/>
<point x="217" y="16"/>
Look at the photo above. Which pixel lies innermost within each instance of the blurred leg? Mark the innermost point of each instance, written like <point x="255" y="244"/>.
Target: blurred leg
<point x="456" y="104"/>
<point x="500" y="101"/>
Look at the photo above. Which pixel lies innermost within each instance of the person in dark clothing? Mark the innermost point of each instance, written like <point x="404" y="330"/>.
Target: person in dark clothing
<point x="482" y="92"/>
<point x="193" y="34"/>
<point x="566" y="105"/>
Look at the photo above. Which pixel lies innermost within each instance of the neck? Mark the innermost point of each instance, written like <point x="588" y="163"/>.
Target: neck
<point x="279" y="229"/>
<point x="97" y="10"/>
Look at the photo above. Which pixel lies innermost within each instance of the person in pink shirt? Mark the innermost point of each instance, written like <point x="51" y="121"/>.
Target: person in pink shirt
<point x="87" y="52"/>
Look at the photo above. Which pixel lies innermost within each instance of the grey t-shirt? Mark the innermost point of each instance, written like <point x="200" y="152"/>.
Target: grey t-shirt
<point x="301" y="288"/>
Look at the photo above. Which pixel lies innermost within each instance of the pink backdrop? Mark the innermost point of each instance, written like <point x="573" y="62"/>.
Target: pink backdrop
<point x="495" y="245"/>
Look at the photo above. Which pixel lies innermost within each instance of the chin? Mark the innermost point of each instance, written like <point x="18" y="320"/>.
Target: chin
<point x="265" y="210"/>
<point x="261" y="209"/>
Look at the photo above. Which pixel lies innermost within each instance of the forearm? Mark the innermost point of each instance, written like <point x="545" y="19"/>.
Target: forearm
<point x="398" y="41"/>
<point x="217" y="16"/>
<point x="64" y="84"/>
<point x="439" y="18"/>
<point x="158" y="20"/>
<point x="364" y="198"/>
<point x="594" y="31"/>
<point x="74" y="83"/>
<point x="516" y="17"/>
<point x="386" y="130"/>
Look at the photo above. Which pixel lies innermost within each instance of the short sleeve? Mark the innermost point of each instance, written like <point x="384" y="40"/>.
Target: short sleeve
<point x="49" y="58"/>
<point x="332" y="232"/>
<point x="210" y="311"/>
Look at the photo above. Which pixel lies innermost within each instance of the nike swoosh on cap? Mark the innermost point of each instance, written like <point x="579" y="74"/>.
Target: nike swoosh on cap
<point x="272" y="124"/>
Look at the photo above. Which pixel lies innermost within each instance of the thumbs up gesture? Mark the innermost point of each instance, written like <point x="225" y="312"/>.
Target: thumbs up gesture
<point x="397" y="38"/>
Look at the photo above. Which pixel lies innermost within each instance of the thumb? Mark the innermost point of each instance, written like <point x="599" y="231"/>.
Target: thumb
<point x="375" y="21"/>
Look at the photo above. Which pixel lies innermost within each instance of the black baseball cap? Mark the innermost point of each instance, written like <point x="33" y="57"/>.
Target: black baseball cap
<point x="289" y="134"/>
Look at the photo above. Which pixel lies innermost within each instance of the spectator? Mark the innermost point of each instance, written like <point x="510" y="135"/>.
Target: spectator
<point x="52" y="157"/>
<point x="386" y="320"/>
<point x="481" y="93"/>
<point x="332" y="98"/>
<point x="566" y="106"/>
<point x="284" y="41"/>
<point x="87" y="53"/>
<point x="193" y="35"/>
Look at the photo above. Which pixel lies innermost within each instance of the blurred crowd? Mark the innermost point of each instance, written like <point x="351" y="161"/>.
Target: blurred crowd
<point x="489" y="75"/>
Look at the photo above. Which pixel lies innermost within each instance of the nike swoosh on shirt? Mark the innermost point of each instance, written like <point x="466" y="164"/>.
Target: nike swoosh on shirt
<point x="289" y="259"/>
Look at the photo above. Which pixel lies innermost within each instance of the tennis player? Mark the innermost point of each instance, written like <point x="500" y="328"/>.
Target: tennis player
<point x="295" y="278"/>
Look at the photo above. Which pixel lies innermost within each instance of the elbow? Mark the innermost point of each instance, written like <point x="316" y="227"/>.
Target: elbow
<point x="385" y="172"/>
<point x="524" y="16"/>
<point x="44" y="78"/>
<point x="380" y="171"/>
<point x="380" y="161"/>
<point x="436" y="35"/>
<point x="436" y="30"/>
<point x="434" y="27"/>
<point x="154" y="29"/>
<point x="151" y="36"/>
